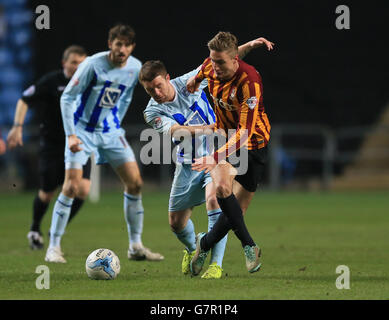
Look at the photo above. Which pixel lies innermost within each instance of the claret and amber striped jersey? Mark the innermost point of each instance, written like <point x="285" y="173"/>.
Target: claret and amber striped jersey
<point x="239" y="106"/>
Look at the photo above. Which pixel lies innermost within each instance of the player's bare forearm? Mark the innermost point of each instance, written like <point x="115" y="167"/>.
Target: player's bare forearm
<point x="179" y="130"/>
<point x="244" y="49"/>
<point x="20" y="112"/>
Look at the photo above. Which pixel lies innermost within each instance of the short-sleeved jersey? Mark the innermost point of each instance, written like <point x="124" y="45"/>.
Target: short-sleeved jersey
<point x="44" y="97"/>
<point x="186" y="109"/>
<point x="239" y="106"/>
<point x="99" y="94"/>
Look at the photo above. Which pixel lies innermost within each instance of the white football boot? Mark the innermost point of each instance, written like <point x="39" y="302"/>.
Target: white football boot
<point x="54" y="254"/>
<point x="139" y="252"/>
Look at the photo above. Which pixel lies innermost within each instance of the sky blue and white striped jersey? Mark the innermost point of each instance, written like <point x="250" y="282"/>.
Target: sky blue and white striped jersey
<point x="186" y="109"/>
<point x="98" y="95"/>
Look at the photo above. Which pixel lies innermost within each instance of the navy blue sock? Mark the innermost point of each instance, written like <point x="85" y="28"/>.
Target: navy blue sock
<point x="232" y="217"/>
<point x="77" y="204"/>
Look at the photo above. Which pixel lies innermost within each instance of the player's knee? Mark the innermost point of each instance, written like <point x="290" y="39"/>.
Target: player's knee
<point x="223" y="190"/>
<point x="134" y="187"/>
<point x="71" y="188"/>
<point x="83" y="189"/>
<point x="45" y="196"/>
<point x="212" y="203"/>
<point x="176" y="225"/>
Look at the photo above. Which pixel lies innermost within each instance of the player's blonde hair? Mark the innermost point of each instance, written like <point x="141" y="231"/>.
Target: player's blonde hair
<point x="224" y="41"/>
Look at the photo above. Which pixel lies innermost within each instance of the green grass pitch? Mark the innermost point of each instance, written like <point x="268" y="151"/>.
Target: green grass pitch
<point x="304" y="237"/>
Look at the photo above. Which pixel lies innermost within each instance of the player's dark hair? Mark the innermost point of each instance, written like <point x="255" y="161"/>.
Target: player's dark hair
<point x="152" y="69"/>
<point x="73" y="49"/>
<point x="224" y="41"/>
<point x="122" y="31"/>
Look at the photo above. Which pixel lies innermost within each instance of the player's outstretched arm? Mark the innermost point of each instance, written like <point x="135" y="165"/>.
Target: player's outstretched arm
<point x="244" y="49"/>
<point x="177" y="130"/>
<point x="15" y="136"/>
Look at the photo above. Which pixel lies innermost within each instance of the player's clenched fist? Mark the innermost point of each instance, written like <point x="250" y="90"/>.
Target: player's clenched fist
<point x="15" y="137"/>
<point x="74" y="143"/>
<point x="192" y="85"/>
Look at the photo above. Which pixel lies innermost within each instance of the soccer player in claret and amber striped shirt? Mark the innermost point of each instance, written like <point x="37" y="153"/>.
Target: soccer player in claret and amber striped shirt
<point x="236" y="89"/>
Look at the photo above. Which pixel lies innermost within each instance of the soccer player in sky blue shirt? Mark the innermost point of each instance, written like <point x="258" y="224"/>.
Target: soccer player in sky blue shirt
<point x="170" y="109"/>
<point x="93" y="106"/>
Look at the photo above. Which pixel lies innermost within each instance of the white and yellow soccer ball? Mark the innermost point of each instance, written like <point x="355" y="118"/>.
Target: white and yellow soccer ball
<point x="102" y="264"/>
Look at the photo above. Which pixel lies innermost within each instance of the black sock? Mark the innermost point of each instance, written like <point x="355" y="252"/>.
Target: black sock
<point x="218" y="231"/>
<point x="77" y="203"/>
<point x="231" y="208"/>
<point x="39" y="209"/>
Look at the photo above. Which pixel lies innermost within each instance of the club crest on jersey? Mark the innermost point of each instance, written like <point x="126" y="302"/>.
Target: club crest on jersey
<point x="110" y="98"/>
<point x="75" y="82"/>
<point x="252" y="102"/>
<point x="233" y="93"/>
<point x="157" y="124"/>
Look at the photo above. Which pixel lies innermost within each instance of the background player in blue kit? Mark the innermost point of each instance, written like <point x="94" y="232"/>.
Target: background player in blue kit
<point x="171" y="110"/>
<point x="93" y="106"/>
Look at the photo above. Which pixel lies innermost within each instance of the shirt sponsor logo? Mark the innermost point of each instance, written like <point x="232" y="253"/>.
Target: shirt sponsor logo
<point x="224" y="105"/>
<point x="252" y="102"/>
<point x="195" y="120"/>
<point x="110" y="98"/>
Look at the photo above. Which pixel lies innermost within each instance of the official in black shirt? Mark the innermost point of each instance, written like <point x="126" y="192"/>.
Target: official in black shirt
<point x="44" y="98"/>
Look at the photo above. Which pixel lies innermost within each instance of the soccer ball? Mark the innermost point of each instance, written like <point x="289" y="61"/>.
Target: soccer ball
<point x="102" y="264"/>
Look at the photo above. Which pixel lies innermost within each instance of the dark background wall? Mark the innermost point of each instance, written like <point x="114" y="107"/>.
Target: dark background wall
<point x="316" y="73"/>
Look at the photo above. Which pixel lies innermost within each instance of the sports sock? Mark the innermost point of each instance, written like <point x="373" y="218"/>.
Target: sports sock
<point x="133" y="214"/>
<point x="232" y="211"/>
<point x="77" y="204"/>
<point x="187" y="236"/>
<point x="38" y="211"/>
<point x="219" y="230"/>
<point x="59" y="219"/>
<point x="218" y="249"/>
